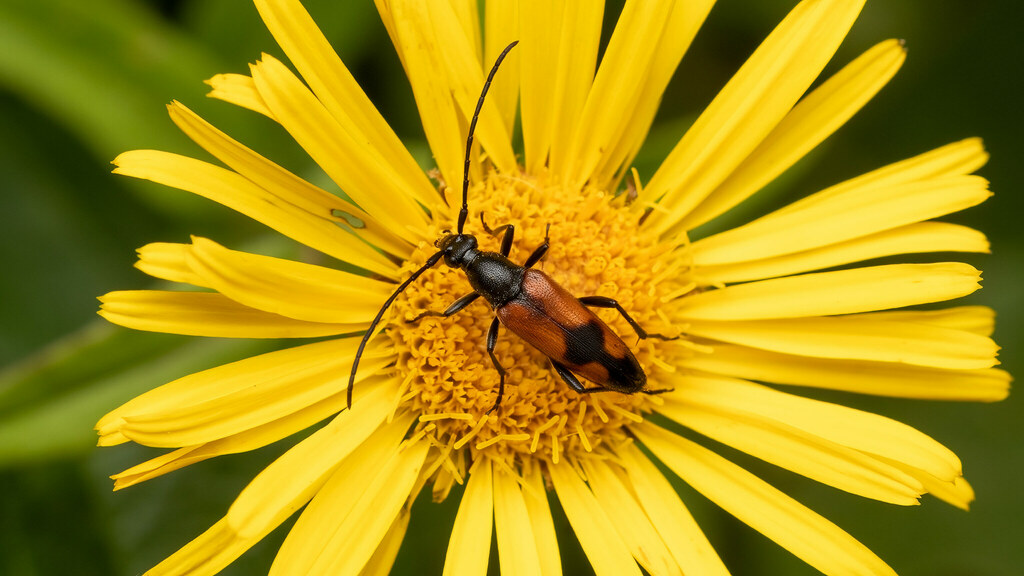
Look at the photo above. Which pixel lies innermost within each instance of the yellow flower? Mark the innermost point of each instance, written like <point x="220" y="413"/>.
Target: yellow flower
<point x="749" y="304"/>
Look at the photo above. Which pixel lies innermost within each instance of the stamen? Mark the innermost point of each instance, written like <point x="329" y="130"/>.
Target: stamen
<point x="476" y="430"/>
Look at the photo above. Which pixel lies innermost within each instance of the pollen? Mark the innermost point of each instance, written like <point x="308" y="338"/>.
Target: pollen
<point x="596" y="248"/>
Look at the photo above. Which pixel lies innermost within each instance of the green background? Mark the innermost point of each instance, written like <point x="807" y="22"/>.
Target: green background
<point x="82" y="81"/>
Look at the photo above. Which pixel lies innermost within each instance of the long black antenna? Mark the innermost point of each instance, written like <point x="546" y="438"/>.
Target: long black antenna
<point x="369" y="332"/>
<point x="464" y="211"/>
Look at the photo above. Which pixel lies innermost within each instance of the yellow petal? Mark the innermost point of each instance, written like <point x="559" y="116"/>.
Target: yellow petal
<point x="858" y="338"/>
<point x="827" y="218"/>
<point x="342" y="527"/>
<point x="810" y="122"/>
<point x="470" y="544"/>
<point x="922" y="237"/>
<point x="208" y="554"/>
<point x="291" y="480"/>
<point x="957" y="493"/>
<point x="293" y="289"/>
<point x="617" y="87"/>
<point x="240" y="194"/>
<point x="629" y="519"/>
<point x="608" y="554"/>
<point x="543" y="526"/>
<point x="756" y="99"/>
<point x="980" y="320"/>
<point x="244" y="394"/>
<point x="799" y="451"/>
<point x="860" y="376"/>
<point x="206" y="314"/>
<point x="796" y="528"/>
<point x="683" y="22"/>
<point x="238" y="89"/>
<point x="306" y="47"/>
<point x="830" y="293"/>
<point x="863" y="431"/>
<point x="517" y="548"/>
<point x="167" y="261"/>
<point x="282" y="185"/>
<point x="358" y="169"/>
<point x="383" y="559"/>
<point x="538" y="69"/>
<point x="669" y="515"/>
<point x="501" y="27"/>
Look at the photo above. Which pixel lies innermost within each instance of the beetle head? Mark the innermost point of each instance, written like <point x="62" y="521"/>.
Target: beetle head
<point x="456" y="247"/>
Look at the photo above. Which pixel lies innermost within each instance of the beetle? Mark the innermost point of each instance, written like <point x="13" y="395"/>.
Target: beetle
<point x="529" y="303"/>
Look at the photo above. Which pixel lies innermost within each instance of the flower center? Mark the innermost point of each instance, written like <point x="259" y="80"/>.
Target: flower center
<point x="596" y="248"/>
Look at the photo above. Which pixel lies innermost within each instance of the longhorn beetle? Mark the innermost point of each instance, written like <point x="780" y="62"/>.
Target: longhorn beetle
<point x="530" y="304"/>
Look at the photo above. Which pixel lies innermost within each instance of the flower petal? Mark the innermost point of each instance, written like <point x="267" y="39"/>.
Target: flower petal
<point x="749" y="107"/>
<point x="361" y="171"/>
<point x="340" y="530"/>
<point x="517" y="544"/>
<point x="629" y="519"/>
<point x="813" y="119"/>
<point x="608" y="554"/>
<point x="206" y="314"/>
<point x="288" y="288"/>
<point x="383" y="559"/>
<point x="284" y="185"/>
<point x="830" y="293"/>
<point x="225" y="187"/>
<point x="321" y="68"/>
<point x="240" y="90"/>
<point x="980" y="320"/>
<point x="501" y="27"/>
<point x="860" y="376"/>
<point x="536" y="497"/>
<point x="922" y="237"/>
<point x="470" y="544"/>
<point x="168" y="261"/>
<point x="799" y="451"/>
<point x="827" y="218"/>
<point x="858" y="338"/>
<point x="796" y="528"/>
<point x="669" y="515"/>
<point x="863" y="431"/>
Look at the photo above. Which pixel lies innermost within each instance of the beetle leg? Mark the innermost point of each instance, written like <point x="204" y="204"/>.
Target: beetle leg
<point x="492" y="341"/>
<point x="454" y="308"/>
<point x="605" y="302"/>
<point x="539" y="252"/>
<point x="506" y="240"/>
<point x="574" y="382"/>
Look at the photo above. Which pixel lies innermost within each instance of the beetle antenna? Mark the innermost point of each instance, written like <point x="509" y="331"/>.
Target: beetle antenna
<point x="464" y="211"/>
<point x="380" y="314"/>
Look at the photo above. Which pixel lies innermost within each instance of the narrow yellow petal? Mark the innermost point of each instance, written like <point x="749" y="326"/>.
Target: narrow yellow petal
<point x="796" y="528"/>
<point x="542" y="524"/>
<point x="870" y="433"/>
<point x="517" y="548"/>
<point x="858" y="338"/>
<point x="860" y="376"/>
<point x="669" y="515"/>
<point x="208" y="554"/>
<point x="618" y="84"/>
<point x="632" y="523"/>
<point x="800" y="451"/>
<point x="749" y="107"/>
<point x="827" y="218"/>
<point x="501" y="27"/>
<point x="349" y="528"/>
<point x="470" y="544"/>
<point x="538" y="66"/>
<point x="683" y="22"/>
<point x="291" y="480"/>
<point x="980" y="320"/>
<point x="320" y="66"/>
<point x="830" y="293"/>
<point x="361" y="171"/>
<point x="206" y="314"/>
<point x="383" y="559"/>
<point x="238" y="89"/>
<point x="167" y="261"/>
<point x="225" y="187"/>
<point x="608" y="554"/>
<point x="285" y="186"/>
<point x="251" y="393"/>
<point x="917" y="238"/>
<point x="810" y="122"/>
<point x="467" y="12"/>
<point x="957" y="493"/>
<point x="348" y="482"/>
<point x="288" y="288"/>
